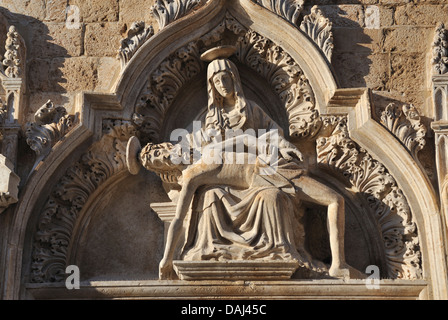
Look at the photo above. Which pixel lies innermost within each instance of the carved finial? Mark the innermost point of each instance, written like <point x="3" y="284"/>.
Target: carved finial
<point x="50" y="124"/>
<point x="11" y="59"/>
<point x="137" y="35"/>
<point x="287" y="9"/>
<point x="405" y="124"/>
<point x="318" y="28"/>
<point x="167" y="11"/>
<point x="440" y="50"/>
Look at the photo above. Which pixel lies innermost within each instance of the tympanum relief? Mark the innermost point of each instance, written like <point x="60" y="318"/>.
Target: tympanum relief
<point x="243" y="184"/>
<point x="250" y="210"/>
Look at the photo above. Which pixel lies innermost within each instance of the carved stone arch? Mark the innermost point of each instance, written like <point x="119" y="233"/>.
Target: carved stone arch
<point x="237" y="17"/>
<point x="192" y="101"/>
<point x="410" y="179"/>
<point x="285" y="69"/>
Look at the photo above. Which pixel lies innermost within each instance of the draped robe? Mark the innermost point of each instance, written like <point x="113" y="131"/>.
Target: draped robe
<point x="261" y="222"/>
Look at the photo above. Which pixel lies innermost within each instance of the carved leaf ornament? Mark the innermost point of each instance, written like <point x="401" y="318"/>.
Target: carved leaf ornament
<point x="105" y="158"/>
<point x="405" y="124"/>
<point x="260" y="54"/>
<point x="440" y="50"/>
<point x="288" y="9"/>
<point x="137" y="35"/>
<point x="50" y="125"/>
<point x="387" y="202"/>
<point x="318" y="28"/>
<point x="167" y="11"/>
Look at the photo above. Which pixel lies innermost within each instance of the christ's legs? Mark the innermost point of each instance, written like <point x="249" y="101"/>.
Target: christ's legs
<point x="311" y="190"/>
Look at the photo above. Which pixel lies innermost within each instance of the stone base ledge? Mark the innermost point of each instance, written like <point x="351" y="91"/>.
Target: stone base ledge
<point x="215" y="290"/>
<point x="235" y="270"/>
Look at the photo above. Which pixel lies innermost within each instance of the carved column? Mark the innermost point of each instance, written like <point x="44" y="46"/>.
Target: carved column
<point x="12" y="79"/>
<point x="440" y="124"/>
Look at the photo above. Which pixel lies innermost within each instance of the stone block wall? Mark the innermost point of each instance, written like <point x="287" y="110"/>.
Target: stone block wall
<point x="381" y="44"/>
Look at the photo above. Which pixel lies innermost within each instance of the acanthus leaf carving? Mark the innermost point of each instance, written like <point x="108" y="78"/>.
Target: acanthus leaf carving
<point x="167" y="11"/>
<point x="405" y="124"/>
<point x="319" y="29"/>
<point x="286" y="78"/>
<point x="287" y="9"/>
<point x="50" y="124"/>
<point x="262" y="55"/>
<point x="341" y="155"/>
<point x="137" y="35"/>
<point x="162" y="87"/>
<point x="105" y="158"/>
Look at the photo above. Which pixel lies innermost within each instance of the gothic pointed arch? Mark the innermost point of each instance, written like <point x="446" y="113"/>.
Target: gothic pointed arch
<point x="349" y="148"/>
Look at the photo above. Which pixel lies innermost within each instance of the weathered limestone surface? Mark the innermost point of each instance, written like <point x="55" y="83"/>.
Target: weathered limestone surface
<point x="371" y="39"/>
<point x="362" y="94"/>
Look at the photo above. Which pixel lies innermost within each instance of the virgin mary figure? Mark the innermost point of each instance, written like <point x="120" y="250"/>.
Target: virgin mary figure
<point x="262" y="222"/>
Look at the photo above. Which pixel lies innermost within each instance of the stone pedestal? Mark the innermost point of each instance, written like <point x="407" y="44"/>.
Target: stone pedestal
<point x="235" y="270"/>
<point x="166" y="212"/>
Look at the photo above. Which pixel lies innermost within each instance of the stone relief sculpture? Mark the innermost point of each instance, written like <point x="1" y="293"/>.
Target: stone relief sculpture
<point x="50" y="124"/>
<point x="239" y="212"/>
<point x="389" y="206"/>
<point x="105" y="158"/>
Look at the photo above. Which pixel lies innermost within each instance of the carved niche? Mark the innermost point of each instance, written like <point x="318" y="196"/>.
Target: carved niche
<point x="263" y="56"/>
